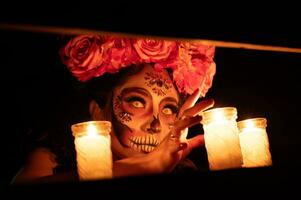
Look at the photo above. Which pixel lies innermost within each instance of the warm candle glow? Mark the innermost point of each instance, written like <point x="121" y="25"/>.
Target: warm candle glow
<point x="254" y="143"/>
<point x="218" y="115"/>
<point x="249" y="124"/>
<point x="221" y="138"/>
<point x="93" y="149"/>
<point x="91" y="130"/>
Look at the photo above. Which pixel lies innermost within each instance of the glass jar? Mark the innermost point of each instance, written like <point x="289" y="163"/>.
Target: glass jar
<point x="93" y="149"/>
<point x="222" y="138"/>
<point x="254" y="142"/>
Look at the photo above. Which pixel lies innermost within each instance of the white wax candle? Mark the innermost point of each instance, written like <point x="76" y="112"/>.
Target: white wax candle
<point x="94" y="157"/>
<point x="255" y="146"/>
<point x="222" y="139"/>
<point x="222" y="145"/>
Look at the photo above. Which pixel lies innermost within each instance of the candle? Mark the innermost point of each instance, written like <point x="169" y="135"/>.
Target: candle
<point x="93" y="149"/>
<point x="222" y="138"/>
<point x="254" y="142"/>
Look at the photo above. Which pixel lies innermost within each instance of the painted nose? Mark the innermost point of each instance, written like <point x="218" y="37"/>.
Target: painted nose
<point x="155" y="126"/>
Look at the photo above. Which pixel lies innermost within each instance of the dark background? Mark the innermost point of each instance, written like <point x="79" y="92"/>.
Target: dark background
<point x="34" y="84"/>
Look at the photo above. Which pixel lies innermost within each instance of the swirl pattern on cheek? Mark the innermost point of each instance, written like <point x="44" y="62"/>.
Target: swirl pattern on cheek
<point x="121" y="115"/>
<point x="124" y="117"/>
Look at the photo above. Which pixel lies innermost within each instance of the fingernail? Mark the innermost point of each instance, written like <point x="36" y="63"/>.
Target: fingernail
<point x="198" y="118"/>
<point x="183" y="146"/>
<point x="209" y="101"/>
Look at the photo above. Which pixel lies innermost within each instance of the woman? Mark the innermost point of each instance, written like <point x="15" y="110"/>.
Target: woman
<point x="148" y="90"/>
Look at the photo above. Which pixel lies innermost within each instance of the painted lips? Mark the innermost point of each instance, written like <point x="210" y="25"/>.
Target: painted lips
<point x="143" y="143"/>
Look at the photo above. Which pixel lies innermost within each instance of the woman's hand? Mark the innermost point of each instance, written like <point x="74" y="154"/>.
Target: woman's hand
<point x="171" y="150"/>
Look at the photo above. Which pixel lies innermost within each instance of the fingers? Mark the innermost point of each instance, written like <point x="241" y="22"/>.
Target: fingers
<point x="192" y="143"/>
<point x="205" y="104"/>
<point x="190" y="101"/>
<point x="175" y="146"/>
<point x="189" y="120"/>
<point x="183" y="146"/>
<point x="196" y="141"/>
<point x="184" y="123"/>
<point x="173" y="139"/>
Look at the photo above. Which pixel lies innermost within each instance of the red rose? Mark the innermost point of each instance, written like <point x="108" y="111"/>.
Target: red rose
<point x="119" y="53"/>
<point x="89" y="56"/>
<point x="203" y="52"/>
<point x="150" y="50"/>
<point x="187" y="81"/>
<point x="207" y="83"/>
<point x="83" y="56"/>
<point x="194" y="68"/>
<point x="202" y="59"/>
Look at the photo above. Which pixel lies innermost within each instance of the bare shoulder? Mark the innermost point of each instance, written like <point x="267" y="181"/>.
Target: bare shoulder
<point x="42" y="156"/>
<point x="40" y="163"/>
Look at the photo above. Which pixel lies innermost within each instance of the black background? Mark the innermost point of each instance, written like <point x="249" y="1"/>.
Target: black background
<point x="257" y="83"/>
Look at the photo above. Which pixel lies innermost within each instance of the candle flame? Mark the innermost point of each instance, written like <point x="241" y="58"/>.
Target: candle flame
<point x="218" y="116"/>
<point x="249" y="124"/>
<point x="92" y="131"/>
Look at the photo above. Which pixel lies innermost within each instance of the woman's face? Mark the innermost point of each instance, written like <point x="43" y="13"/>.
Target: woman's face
<point x="144" y="106"/>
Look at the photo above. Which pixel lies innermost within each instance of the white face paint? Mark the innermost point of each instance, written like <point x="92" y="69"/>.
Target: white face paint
<point x="144" y="106"/>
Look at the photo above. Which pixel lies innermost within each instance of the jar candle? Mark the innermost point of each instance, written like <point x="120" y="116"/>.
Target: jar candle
<point x="93" y="149"/>
<point x="222" y="138"/>
<point x="254" y="142"/>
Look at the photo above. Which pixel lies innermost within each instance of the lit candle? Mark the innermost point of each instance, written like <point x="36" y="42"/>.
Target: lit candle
<point x="254" y="142"/>
<point x="222" y="138"/>
<point x="93" y="149"/>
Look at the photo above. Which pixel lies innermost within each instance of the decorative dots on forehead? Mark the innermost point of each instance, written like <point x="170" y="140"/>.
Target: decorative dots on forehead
<point x="158" y="84"/>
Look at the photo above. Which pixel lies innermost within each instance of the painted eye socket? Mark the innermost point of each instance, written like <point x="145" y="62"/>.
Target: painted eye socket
<point x="169" y="110"/>
<point x="137" y="104"/>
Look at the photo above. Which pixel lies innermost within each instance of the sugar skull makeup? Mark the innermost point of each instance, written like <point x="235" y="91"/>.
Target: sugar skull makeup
<point x="158" y="83"/>
<point x="144" y="107"/>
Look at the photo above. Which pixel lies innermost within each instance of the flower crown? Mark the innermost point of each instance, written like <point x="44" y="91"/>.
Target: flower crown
<point x="88" y="56"/>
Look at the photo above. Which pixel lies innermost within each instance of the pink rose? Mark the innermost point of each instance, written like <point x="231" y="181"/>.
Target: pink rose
<point x="150" y="50"/>
<point x="119" y="53"/>
<point x="83" y="56"/>
<point x="89" y="56"/>
<point x="202" y="59"/>
<point x="207" y="83"/>
<point x="203" y="52"/>
<point x="187" y="82"/>
<point x="193" y="68"/>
